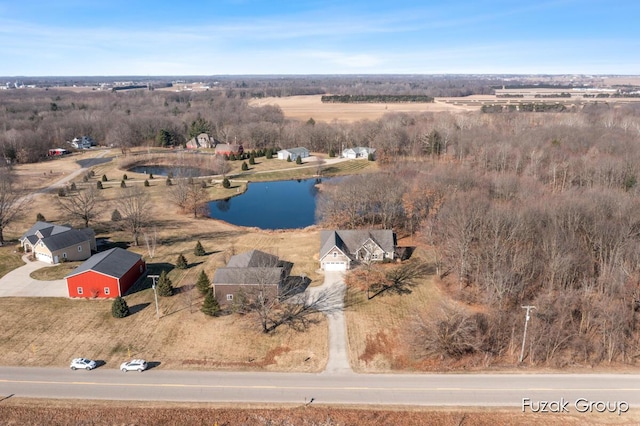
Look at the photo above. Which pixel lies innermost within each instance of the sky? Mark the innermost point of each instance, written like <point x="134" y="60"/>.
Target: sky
<point x="232" y="37"/>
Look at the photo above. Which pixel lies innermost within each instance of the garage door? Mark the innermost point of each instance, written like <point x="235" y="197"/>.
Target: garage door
<point x="43" y="257"/>
<point x="335" y="266"/>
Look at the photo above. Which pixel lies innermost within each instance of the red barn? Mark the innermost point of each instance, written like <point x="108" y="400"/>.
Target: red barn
<point x="108" y="274"/>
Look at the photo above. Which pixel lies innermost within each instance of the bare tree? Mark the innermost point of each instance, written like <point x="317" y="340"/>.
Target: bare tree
<point x="134" y="206"/>
<point x="12" y="201"/>
<point x="151" y="240"/>
<point x="82" y="205"/>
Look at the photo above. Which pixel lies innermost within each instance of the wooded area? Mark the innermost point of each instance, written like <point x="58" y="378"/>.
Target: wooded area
<point x="520" y="208"/>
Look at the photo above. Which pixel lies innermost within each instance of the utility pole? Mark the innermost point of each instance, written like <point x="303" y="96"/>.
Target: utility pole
<point x="155" y="292"/>
<point x="526" y="322"/>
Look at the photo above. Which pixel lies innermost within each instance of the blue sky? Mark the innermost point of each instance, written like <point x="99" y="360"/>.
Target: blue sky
<point x="116" y="37"/>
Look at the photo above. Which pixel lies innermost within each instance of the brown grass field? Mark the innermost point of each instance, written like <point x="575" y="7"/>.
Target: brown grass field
<point x="27" y="412"/>
<point x="305" y="107"/>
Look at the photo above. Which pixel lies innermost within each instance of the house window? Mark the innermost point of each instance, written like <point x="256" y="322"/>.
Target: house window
<point x="229" y="296"/>
<point x="335" y="254"/>
<point x="79" y="290"/>
<point x="106" y="290"/>
<point x="141" y="269"/>
<point x="374" y="256"/>
<point x="79" y="249"/>
<point x="64" y="255"/>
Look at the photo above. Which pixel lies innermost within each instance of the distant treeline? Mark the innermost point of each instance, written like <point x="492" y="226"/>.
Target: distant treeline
<point x="346" y="99"/>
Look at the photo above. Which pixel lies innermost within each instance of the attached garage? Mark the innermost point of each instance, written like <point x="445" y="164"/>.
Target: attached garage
<point x="334" y="266"/>
<point x="106" y="275"/>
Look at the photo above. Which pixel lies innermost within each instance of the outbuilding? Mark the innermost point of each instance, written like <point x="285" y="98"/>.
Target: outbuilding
<point x="293" y="153"/>
<point x="106" y="275"/>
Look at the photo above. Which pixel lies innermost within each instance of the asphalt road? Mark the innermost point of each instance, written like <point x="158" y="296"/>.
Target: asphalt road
<point x="483" y="390"/>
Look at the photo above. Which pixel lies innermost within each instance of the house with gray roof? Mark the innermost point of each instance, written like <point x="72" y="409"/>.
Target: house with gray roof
<point x="107" y="274"/>
<point x="293" y="153"/>
<point x="339" y="249"/>
<point x="358" y="152"/>
<point x="254" y="274"/>
<point x="52" y="243"/>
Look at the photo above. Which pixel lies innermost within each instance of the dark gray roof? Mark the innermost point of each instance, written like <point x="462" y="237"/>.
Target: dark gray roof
<point x="65" y="239"/>
<point x="114" y="262"/>
<point x="248" y="276"/>
<point x="253" y="258"/>
<point x="349" y="241"/>
<point x="45" y="228"/>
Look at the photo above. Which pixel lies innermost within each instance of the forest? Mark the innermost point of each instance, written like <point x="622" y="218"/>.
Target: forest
<point x="520" y="208"/>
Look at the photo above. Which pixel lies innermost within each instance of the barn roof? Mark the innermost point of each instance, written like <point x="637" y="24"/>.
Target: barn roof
<point x="114" y="262"/>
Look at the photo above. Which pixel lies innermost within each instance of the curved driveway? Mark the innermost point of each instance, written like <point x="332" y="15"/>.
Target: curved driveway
<point x="18" y="283"/>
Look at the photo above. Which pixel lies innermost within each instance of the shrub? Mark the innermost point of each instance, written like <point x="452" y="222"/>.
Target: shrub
<point x="104" y="178"/>
<point x="245" y="166"/>
<point x="199" y="250"/>
<point x="99" y="185"/>
<point x="125" y="177"/>
<point x="119" y="308"/>
<point x="62" y="192"/>
<point x="150" y="175"/>
<point x="73" y="187"/>
<point x="226" y="183"/>
<point x="203" y="284"/>
<point x="210" y="305"/>
<point x="116" y="216"/>
<point x="181" y="262"/>
<point x="232" y="157"/>
<point x="40" y="218"/>
<point x="165" y="286"/>
<point x="123" y="184"/>
<point x="146" y="182"/>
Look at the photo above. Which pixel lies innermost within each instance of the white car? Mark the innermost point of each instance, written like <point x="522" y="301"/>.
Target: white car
<point x="134" y="364"/>
<point x="83" y="363"/>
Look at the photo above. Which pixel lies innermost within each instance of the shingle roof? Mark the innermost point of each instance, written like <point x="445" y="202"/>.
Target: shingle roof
<point x="299" y="150"/>
<point x="65" y="239"/>
<point x="248" y="276"/>
<point x="253" y="258"/>
<point x="351" y="240"/>
<point x="114" y="262"/>
<point x="45" y="228"/>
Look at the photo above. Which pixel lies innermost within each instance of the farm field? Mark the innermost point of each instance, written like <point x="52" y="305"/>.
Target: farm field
<point x="305" y="107"/>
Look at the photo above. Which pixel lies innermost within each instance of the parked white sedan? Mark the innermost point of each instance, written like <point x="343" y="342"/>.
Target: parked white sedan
<point x="134" y="364"/>
<point x="82" y="363"/>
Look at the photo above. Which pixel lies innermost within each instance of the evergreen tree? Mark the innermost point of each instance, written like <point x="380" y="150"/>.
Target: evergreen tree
<point x="165" y="286"/>
<point x="104" y="178"/>
<point x="289" y="159"/>
<point x="252" y="159"/>
<point x="73" y="187"/>
<point x="146" y="182"/>
<point x="40" y="218"/>
<point x="62" y="192"/>
<point x="181" y="262"/>
<point x="298" y="160"/>
<point x="168" y="182"/>
<point x="199" y="250"/>
<point x="226" y="183"/>
<point x="125" y="177"/>
<point x="116" y="216"/>
<point x="332" y="153"/>
<point x="203" y="284"/>
<point x="210" y="305"/>
<point x="123" y="184"/>
<point x="150" y="175"/>
<point x="232" y="157"/>
<point x="370" y="157"/>
<point x="269" y="154"/>
<point x="245" y="166"/>
<point x="99" y="185"/>
<point x="119" y="308"/>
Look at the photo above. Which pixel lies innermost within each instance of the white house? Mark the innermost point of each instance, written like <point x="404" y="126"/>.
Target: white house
<point x="294" y="153"/>
<point x="358" y="152"/>
<point x="84" y="142"/>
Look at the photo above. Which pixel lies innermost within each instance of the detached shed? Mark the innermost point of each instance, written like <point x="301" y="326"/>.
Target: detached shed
<point x="106" y="275"/>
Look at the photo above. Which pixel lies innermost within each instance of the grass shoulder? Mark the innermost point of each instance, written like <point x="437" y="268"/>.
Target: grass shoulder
<point x="10" y="259"/>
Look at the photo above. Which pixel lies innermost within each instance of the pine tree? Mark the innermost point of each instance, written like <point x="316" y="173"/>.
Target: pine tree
<point x="40" y="218"/>
<point x="210" y="305"/>
<point x="226" y="183"/>
<point x="116" y="216"/>
<point x="150" y="175"/>
<point x="146" y="182"/>
<point x="119" y="308"/>
<point x="99" y="185"/>
<point x="181" y="262"/>
<point x="245" y="166"/>
<point x="168" y="182"/>
<point x="289" y="159"/>
<point x="165" y="286"/>
<point x="123" y="184"/>
<point x="125" y="177"/>
<point x="252" y="159"/>
<point x="298" y="160"/>
<point x="203" y="284"/>
<point x="104" y="178"/>
<point x="199" y="250"/>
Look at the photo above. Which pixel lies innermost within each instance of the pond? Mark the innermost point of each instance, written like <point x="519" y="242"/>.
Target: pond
<point x="175" y="171"/>
<point x="285" y="204"/>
